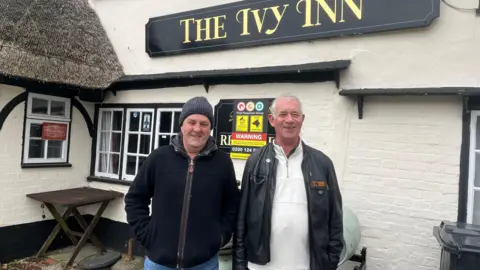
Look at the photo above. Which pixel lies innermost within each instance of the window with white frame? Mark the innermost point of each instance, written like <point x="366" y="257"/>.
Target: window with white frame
<point x="47" y="126"/>
<point x="138" y="140"/>
<point x="109" y="142"/>
<point x="126" y="136"/>
<point x="473" y="205"/>
<point x="167" y="126"/>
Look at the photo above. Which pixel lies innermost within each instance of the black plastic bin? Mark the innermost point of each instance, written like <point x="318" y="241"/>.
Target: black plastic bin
<point x="460" y="245"/>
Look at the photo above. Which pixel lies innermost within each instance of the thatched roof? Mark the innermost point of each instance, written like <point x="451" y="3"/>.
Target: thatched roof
<point x="56" y="41"/>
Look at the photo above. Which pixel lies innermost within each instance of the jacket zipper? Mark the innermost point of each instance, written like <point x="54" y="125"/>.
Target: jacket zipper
<point x="184" y="219"/>
<point x="307" y="174"/>
<point x="268" y="216"/>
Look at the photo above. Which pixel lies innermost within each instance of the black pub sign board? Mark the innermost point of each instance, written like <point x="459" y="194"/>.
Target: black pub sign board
<point x="253" y="23"/>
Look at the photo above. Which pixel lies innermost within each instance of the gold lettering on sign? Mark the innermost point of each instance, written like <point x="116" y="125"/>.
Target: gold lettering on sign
<point x="244" y="21"/>
<point x="332" y="14"/>
<point x="259" y="19"/>
<point x="219" y="25"/>
<point x="357" y="10"/>
<point x="200" y="29"/>
<point x="204" y="28"/>
<point x="187" y="29"/>
<point x="324" y="7"/>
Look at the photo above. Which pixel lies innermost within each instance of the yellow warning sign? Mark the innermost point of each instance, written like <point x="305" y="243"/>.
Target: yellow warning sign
<point x="256" y="123"/>
<point x="242" y="123"/>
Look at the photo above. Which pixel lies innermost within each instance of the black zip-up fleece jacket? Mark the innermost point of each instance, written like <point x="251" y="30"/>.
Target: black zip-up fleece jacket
<point x="251" y="241"/>
<point x="194" y="204"/>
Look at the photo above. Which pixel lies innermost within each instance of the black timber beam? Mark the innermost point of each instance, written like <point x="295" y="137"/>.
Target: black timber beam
<point x="304" y="73"/>
<point x="411" y="91"/>
<point x="51" y="88"/>
<point x="359" y="94"/>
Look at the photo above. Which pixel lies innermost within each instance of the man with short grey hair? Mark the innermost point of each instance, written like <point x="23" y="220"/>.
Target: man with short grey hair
<point x="290" y="215"/>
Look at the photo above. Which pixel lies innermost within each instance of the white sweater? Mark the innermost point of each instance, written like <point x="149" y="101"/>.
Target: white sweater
<point x="289" y="249"/>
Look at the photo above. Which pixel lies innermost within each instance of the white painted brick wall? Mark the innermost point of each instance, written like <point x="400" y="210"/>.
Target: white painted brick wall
<point x="402" y="177"/>
<point x="15" y="182"/>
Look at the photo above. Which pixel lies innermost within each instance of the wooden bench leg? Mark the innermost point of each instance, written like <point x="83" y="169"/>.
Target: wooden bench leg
<point x="86" y="235"/>
<point x="61" y="223"/>
<point x="84" y="225"/>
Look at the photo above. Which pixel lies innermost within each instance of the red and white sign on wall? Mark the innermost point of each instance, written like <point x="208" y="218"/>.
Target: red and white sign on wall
<point x="54" y="131"/>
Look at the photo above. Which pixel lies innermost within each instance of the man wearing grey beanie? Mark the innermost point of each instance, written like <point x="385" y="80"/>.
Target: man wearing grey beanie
<point x="194" y="196"/>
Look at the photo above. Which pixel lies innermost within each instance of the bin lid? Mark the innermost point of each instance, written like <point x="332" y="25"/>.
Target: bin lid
<point x="99" y="261"/>
<point x="458" y="237"/>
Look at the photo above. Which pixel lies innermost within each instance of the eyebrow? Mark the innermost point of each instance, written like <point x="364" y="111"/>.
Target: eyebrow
<point x="286" y="111"/>
<point x="200" y="121"/>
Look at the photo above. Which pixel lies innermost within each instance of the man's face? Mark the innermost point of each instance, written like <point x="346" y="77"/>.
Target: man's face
<point x="288" y="120"/>
<point x="195" y="130"/>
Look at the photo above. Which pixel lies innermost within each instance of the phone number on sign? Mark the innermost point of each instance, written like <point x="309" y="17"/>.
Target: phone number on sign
<point x="242" y="149"/>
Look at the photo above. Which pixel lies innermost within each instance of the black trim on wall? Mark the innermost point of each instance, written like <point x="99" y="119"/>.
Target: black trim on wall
<point x="31" y="83"/>
<point x="52" y="92"/>
<point x="25" y="109"/>
<point x="70" y="130"/>
<point x="122" y="147"/>
<point x="94" y="141"/>
<point x="139" y="105"/>
<point x="469" y="103"/>
<point x="25" y="240"/>
<point x="5" y="112"/>
<point x="86" y="116"/>
<point x="45" y="165"/>
<point x="359" y="94"/>
<point x="124" y="107"/>
<point x="108" y="180"/>
<point x="464" y="163"/>
<point x="303" y="73"/>
<point x="115" y="235"/>
<point x="411" y="91"/>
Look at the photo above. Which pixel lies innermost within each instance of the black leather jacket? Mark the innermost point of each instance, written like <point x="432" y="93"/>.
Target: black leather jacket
<point x="252" y="233"/>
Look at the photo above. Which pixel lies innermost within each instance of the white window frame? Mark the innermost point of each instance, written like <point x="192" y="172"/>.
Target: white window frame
<point x="30" y="114"/>
<point x="471" y="165"/>
<point x="157" y="126"/>
<point x="27" y="160"/>
<point x="32" y="118"/>
<point x="127" y="132"/>
<point x="97" y="149"/>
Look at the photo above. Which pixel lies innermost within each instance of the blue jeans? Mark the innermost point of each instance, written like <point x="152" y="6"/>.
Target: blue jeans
<point x="211" y="264"/>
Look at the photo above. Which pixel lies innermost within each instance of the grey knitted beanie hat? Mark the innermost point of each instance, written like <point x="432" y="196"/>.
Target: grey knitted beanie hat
<point x="197" y="105"/>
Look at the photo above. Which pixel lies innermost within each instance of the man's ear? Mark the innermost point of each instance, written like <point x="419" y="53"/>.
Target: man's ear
<point x="270" y="120"/>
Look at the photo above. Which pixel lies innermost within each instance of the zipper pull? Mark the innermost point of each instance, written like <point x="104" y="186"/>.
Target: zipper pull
<point x="190" y="167"/>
